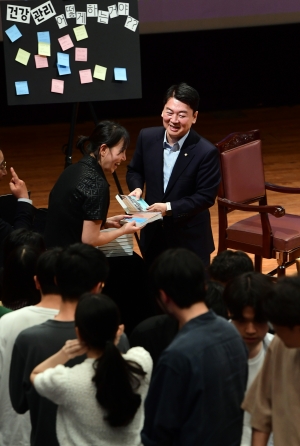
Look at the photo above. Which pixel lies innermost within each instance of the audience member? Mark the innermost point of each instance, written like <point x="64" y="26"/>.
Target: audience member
<point x="157" y="332"/>
<point x="199" y="382"/>
<point x="106" y="392"/>
<point x="20" y="237"/>
<point x="24" y="210"/>
<point x="80" y="268"/>
<point x="229" y="264"/>
<point x="18" y="286"/>
<point x="244" y="296"/>
<point x="14" y="428"/>
<point x="214" y="298"/>
<point x="274" y="397"/>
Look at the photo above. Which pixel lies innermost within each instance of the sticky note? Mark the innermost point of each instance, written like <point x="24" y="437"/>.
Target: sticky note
<point x="63" y="70"/>
<point x="22" y="87"/>
<point x="80" y="32"/>
<point x="120" y="74"/>
<point x="44" y="49"/>
<point x="22" y="56"/>
<point x="85" y="76"/>
<point x="81" y="54"/>
<point x="41" y="61"/>
<point x="63" y="59"/>
<point x="100" y="72"/>
<point x="43" y="36"/>
<point x="13" y="33"/>
<point x="65" y="42"/>
<point x="57" y="86"/>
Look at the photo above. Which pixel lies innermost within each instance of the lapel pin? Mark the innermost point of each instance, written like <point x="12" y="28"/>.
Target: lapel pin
<point x="185" y="154"/>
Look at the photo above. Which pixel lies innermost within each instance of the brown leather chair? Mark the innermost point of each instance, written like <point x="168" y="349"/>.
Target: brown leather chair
<point x="271" y="233"/>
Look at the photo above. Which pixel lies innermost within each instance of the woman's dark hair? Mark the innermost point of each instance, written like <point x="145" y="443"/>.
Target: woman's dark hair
<point x="19" y="288"/>
<point x="106" y="132"/>
<point x="97" y="319"/>
<point x="21" y="237"/>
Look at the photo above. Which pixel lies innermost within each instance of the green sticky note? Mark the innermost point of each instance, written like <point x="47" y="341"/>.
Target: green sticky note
<point x="80" y="32"/>
<point x="44" y="49"/>
<point x="22" y="56"/>
<point x="100" y="72"/>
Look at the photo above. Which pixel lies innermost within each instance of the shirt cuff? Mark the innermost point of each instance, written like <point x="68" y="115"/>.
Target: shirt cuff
<point x="25" y="200"/>
<point x="169" y="209"/>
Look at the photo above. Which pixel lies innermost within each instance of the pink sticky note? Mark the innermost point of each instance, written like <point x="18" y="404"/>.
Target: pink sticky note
<point x="81" y="54"/>
<point x="65" y="42"/>
<point x="85" y="76"/>
<point x="57" y="86"/>
<point x="41" y="61"/>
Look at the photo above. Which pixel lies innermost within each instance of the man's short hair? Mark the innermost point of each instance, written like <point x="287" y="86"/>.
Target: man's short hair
<point x="183" y="93"/>
<point x="79" y="269"/>
<point x="46" y="271"/>
<point x="282" y="304"/>
<point x="214" y="298"/>
<point x="247" y="290"/>
<point x="229" y="264"/>
<point x="180" y="274"/>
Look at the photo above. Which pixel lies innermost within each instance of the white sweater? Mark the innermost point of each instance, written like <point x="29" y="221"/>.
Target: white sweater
<point x="80" y="416"/>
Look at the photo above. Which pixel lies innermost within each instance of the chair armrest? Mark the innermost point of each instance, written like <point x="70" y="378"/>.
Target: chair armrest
<point x="282" y="189"/>
<point x="277" y="211"/>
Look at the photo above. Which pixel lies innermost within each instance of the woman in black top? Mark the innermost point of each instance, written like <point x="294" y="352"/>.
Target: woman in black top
<point x="79" y="201"/>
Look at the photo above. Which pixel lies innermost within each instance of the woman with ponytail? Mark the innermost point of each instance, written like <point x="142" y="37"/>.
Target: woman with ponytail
<point x="79" y="201"/>
<point x="100" y="401"/>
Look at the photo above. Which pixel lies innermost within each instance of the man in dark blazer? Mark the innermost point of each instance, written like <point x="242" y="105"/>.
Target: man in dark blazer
<point x="24" y="209"/>
<point x="181" y="172"/>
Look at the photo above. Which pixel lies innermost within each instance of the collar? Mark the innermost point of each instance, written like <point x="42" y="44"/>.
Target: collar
<point x="179" y="143"/>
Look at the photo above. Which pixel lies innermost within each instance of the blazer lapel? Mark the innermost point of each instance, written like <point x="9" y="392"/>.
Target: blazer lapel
<point x="158" y="161"/>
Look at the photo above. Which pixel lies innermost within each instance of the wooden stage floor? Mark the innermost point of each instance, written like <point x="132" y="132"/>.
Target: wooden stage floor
<point x="35" y="153"/>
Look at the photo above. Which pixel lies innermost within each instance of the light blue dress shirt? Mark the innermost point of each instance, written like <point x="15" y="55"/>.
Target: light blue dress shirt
<point x="170" y="156"/>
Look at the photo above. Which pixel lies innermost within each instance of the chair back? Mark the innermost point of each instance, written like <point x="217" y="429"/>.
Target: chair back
<point x="237" y="139"/>
<point x="242" y="170"/>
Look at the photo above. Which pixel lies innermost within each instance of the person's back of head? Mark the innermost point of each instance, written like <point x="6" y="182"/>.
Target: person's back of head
<point x="21" y="237"/>
<point x="19" y="288"/>
<point x="79" y="269"/>
<point x="180" y="274"/>
<point x="97" y="319"/>
<point x="46" y="271"/>
<point x="229" y="264"/>
<point x="214" y="298"/>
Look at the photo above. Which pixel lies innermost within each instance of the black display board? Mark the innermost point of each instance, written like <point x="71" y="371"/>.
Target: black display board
<point x="110" y="45"/>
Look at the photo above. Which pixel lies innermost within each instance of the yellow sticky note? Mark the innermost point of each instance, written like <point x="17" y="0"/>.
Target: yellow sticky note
<point x="100" y="72"/>
<point x="22" y="56"/>
<point x="44" y="49"/>
<point x="80" y="32"/>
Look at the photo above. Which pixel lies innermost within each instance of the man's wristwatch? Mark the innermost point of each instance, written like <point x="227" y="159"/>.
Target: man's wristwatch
<point x="169" y="209"/>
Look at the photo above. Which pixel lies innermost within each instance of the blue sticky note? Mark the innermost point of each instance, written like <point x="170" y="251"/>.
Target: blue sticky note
<point x="43" y="36"/>
<point x="21" y="87"/>
<point x="63" y="70"/>
<point x="120" y="74"/>
<point x="63" y="59"/>
<point x="13" y="33"/>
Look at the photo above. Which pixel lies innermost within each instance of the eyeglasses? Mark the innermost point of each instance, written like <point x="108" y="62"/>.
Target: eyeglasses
<point x="3" y="165"/>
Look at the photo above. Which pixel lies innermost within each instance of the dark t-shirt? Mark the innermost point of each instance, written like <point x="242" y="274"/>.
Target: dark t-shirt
<point x="154" y="334"/>
<point x="198" y="386"/>
<point x="80" y="193"/>
<point x="32" y="346"/>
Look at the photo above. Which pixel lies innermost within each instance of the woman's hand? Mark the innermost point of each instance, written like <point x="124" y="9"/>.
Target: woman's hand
<point x="114" y="222"/>
<point x="131" y="228"/>
<point x="74" y="348"/>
